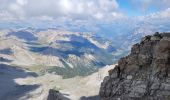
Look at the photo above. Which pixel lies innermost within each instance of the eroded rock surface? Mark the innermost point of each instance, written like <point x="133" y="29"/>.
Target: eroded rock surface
<point x="56" y="95"/>
<point x="142" y="75"/>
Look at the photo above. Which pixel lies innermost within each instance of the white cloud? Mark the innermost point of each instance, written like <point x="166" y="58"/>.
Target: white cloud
<point x="79" y="14"/>
<point x="73" y="9"/>
<point x="6" y="16"/>
<point x="22" y="2"/>
<point x="165" y="14"/>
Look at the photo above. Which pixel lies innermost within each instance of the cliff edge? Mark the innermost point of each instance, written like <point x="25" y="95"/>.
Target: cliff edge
<point x="142" y="75"/>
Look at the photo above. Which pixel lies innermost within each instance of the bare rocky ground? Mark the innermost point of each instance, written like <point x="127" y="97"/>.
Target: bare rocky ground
<point x="142" y="75"/>
<point x="19" y="84"/>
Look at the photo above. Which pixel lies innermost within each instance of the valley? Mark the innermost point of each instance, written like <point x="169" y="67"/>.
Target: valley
<point x="65" y="61"/>
<point x="84" y="50"/>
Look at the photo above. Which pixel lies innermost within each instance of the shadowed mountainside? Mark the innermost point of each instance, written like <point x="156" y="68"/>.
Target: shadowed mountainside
<point x="9" y="88"/>
<point x="25" y="35"/>
<point x="64" y="53"/>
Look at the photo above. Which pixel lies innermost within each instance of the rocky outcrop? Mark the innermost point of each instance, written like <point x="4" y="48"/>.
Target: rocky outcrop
<point x="142" y="75"/>
<point x="55" y="95"/>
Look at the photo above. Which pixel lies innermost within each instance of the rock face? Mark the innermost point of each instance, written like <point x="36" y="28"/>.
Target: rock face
<point x="142" y="75"/>
<point x="55" y="95"/>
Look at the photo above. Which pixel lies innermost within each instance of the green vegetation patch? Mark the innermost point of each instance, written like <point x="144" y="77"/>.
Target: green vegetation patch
<point x="72" y="72"/>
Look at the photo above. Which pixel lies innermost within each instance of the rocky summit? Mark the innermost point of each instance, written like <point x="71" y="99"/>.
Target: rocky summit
<point x="142" y="75"/>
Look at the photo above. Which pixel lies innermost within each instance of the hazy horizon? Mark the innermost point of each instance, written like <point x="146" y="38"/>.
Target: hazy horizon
<point x="98" y="16"/>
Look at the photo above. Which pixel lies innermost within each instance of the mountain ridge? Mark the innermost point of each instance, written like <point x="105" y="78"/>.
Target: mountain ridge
<point x="56" y="51"/>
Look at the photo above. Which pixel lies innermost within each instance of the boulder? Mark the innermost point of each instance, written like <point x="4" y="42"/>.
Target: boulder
<point x="55" y="95"/>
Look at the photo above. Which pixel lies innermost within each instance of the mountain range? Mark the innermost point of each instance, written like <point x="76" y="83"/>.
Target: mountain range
<point x="56" y="51"/>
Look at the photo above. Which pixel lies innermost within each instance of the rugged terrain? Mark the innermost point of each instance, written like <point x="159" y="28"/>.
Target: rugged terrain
<point x="142" y="75"/>
<point x="36" y="62"/>
<point x="20" y="84"/>
<point x="56" y="51"/>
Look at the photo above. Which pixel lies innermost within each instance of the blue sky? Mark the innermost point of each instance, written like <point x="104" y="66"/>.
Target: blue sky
<point x="142" y="7"/>
<point x="131" y="10"/>
<point x="126" y="6"/>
